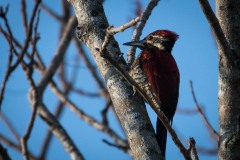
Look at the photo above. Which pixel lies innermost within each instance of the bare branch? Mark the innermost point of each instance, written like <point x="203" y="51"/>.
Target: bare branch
<point x="5" y="79"/>
<point x="192" y="148"/>
<point x="123" y="27"/>
<point x="90" y="120"/>
<point x="3" y="153"/>
<point x="57" y="129"/>
<point x="24" y="15"/>
<point x="57" y="60"/>
<point x="29" y="34"/>
<point x="25" y="138"/>
<point x="10" y="143"/>
<point x="10" y="126"/>
<point x="216" y="28"/>
<point x="11" y="68"/>
<point x="50" y="12"/>
<point x="53" y="124"/>
<point x="91" y="67"/>
<point x="47" y="140"/>
<point x="15" y="146"/>
<point x="105" y="111"/>
<point x="59" y="110"/>
<point x="29" y="71"/>
<point x="125" y="149"/>
<point x="138" y="31"/>
<point x="111" y="31"/>
<point x="49" y="135"/>
<point x="205" y="120"/>
<point x="85" y="93"/>
<point x="3" y="14"/>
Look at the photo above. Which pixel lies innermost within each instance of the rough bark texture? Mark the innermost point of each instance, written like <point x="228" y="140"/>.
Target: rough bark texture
<point x="229" y="81"/>
<point x="129" y="107"/>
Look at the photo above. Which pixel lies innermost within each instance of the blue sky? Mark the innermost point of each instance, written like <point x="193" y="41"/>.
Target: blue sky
<point x="195" y="53"/>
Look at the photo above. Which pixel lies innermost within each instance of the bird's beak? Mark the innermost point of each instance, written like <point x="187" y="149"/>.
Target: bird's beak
<point x="140" y="44"/>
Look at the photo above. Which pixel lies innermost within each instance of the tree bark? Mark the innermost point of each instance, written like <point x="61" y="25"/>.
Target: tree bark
<point x="129" y="107"/>
<point x="229" y="81"/>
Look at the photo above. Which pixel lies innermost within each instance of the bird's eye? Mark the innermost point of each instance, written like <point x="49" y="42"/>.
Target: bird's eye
<point x="164" y="39"/>
<point x="150" y="37"/>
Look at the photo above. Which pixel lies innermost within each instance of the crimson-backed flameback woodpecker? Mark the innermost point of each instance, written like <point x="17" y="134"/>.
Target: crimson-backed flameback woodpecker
<point x="161" y="71"/>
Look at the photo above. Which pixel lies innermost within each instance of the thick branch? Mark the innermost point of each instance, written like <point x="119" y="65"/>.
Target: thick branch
<point x="216" y="28"/>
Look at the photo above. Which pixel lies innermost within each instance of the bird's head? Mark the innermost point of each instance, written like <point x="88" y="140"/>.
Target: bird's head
<point x="161" y="39"/>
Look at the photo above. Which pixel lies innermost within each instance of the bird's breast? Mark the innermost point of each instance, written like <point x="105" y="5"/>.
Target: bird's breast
<point x="163" y="75"/>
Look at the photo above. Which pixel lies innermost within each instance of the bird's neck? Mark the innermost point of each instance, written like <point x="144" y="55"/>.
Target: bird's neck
<point x="155" y="53"/>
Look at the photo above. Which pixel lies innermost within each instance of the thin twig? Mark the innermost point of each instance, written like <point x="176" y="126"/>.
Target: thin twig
<point x="125" y="149"/>
<point x="5" y="79"/>
<point x="50" y="12"/>
<point x="192" y="148"/>
<point x="29" y="70"/>
<point x="29" y="34"/>
<point x="105" y="111"/>
<point x="10" y="126"/>
<point x="59" y="110"/>
<point x="54" y="126"/>
<point x="205" y="120"/>
<point x="82" y="53"/>
<point x="138" y="31"/>
<point x="85" y="93"/>
<point x="90" y="120"/>
<point x="26" y="136"/>
<point x="14" y="146"/>
<point x="111" y="31"/>
<point x="18" y="45"/>
<point x="58" y="113"/>
<point x="3" y="14"/>
<point x="91" y="67"/>
<point x="121" y="28"/>
<point x="58" y="58"/>
<point x="11" y="68"/>
<point x="24" y="15"/>
<point x="10" y="143"/>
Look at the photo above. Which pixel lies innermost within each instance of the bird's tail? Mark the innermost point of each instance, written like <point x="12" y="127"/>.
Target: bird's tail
<point x="161" y="135"/>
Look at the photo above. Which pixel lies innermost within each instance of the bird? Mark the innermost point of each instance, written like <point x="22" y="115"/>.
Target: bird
<point x="161" y="71"/>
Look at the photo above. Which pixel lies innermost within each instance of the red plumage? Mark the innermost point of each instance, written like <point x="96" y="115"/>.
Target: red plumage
<point x="162" y="73"/>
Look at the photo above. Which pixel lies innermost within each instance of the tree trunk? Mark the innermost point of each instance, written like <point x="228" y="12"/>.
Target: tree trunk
<point x="228" y="13"/>
<point x="130" y="108"/>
